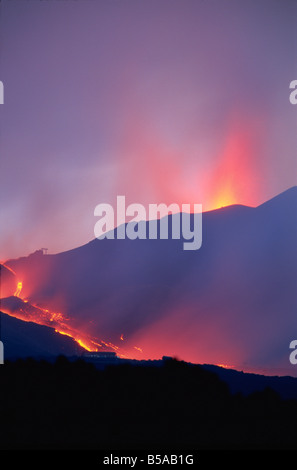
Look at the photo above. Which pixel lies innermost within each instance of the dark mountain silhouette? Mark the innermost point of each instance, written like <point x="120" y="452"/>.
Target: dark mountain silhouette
<point x="71" y="405"/>
<point x="247" y="383"/>
<point x="231" y="302"/>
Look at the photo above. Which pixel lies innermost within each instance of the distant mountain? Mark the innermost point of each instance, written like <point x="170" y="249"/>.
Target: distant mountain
<point x="231" y="302"/>
<point x="246" y="383"/>
<point x="26" y="339"/>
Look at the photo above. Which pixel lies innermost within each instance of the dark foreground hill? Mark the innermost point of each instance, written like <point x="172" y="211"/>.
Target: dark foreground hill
<point x="72" y="405"/>
<point x="247" y="383"/>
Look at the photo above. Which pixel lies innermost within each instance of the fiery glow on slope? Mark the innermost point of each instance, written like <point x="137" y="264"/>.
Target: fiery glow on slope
<point x="26" y="310"/>
<point x="84" y="345"/>
<point x="18" y="289"/>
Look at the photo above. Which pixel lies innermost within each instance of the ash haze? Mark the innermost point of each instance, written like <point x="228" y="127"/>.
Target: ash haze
<point x="162" y="101"/>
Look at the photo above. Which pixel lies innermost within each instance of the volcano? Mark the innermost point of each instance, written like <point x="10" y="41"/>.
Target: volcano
<point x="232" y="302"/>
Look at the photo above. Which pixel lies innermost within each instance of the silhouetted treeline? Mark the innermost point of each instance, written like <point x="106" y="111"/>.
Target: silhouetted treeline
<point x="71" y="404"/>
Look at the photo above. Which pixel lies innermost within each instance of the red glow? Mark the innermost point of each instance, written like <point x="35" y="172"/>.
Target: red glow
<point x="211" y="343"/>
<point x="18" y="289"/>
<point x="154" y="171"/>
<point x="7" y="267"/>
<point x="233" y="180"/>
<point x="26" y="310"/>
<point x="225" y="366"/>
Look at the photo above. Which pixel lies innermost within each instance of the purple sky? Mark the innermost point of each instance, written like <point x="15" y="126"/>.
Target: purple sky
<point x="161" y="101"/>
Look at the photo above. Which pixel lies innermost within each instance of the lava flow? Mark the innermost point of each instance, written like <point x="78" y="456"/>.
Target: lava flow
<point x="18" y="289"/>
<point x="23" y="309"/>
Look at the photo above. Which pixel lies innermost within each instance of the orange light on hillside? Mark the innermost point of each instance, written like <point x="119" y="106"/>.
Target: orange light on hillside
<point x="29" y="312"/>
<point x="225" y="198"/>
<point x="18" y="289"/>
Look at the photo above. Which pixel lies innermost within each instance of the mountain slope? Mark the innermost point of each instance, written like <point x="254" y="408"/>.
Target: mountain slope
<point x="26" y="339"/>
<point x="231" y="302"/>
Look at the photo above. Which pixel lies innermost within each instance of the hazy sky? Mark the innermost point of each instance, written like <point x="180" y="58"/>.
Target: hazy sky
<point x="159" y="100"/>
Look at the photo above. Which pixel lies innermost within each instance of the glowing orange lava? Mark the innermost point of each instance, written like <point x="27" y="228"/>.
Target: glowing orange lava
<point x="26" y="310"/>
<point x="18" y="289"/>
